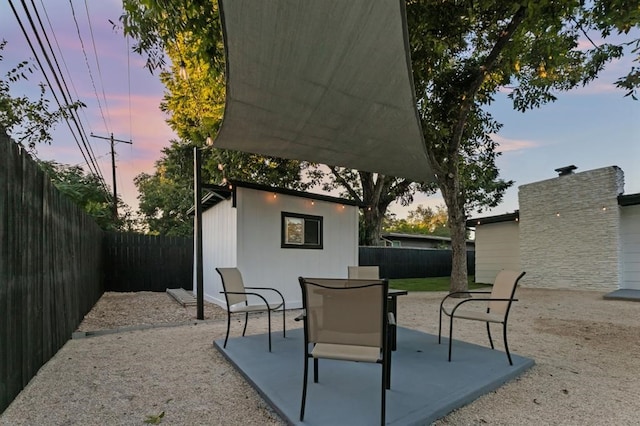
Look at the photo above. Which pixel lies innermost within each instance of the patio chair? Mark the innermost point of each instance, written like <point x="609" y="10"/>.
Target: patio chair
<point x="497" y="307"/>
<point x="363" y="272"/>
<point x="346" y="320"/>
<point x="235" y="294"/>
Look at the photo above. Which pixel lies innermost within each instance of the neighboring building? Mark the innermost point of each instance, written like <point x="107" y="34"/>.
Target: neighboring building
<point x="275" y="235"/>
<point x="396" y="239"/>
<point x="573" y="231"/>
<point x="497" y="245"/>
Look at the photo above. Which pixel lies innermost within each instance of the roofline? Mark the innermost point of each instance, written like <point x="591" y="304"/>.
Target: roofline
<point x="292" y="192"/>
<point x="217" y="193"/>
<point x="507" y="217"/>
<point x="629" y="200"/>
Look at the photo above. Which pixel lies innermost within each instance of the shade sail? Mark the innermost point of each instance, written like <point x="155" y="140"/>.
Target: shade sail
<point x="322" y="81"/>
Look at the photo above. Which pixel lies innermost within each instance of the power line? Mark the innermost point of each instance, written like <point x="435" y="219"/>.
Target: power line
<point x="95" y="54"/>
<point x="86" y="61"/>
<point x="66" y="89"/>
<point x="28" y="39"/>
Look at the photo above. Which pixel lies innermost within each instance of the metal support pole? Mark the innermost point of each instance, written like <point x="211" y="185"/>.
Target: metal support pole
<point x="197" y="195"/>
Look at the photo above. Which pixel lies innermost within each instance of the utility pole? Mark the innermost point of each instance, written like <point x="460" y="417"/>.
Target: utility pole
<point x="113" y="167"/>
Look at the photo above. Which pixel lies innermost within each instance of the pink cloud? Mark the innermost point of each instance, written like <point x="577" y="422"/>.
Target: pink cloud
<point x="507" y="145"/>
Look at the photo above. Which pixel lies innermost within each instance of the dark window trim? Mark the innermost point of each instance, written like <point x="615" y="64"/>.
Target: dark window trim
<point x="305" y="217"/>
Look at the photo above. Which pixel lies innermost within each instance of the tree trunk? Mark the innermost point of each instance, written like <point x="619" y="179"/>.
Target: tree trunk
<point x="449" y="187"/>
<point x="371" y="227"/>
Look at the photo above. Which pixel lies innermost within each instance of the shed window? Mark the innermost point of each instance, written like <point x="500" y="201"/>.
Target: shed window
<point x="301" y="231"/>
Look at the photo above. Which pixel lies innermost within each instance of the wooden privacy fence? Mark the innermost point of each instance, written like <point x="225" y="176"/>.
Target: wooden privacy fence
<point x="135" y="262"/>
<point x="50" y="268"/>
<point x="395" y="262"/>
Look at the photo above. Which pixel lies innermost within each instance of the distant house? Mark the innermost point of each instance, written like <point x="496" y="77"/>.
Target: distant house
<point x="275" y="235"/>
<point x="577" y="230"/>
<point x="396" y="239"/>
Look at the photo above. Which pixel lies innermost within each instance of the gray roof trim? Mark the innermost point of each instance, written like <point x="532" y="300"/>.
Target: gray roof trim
<point x="508" y="217"/>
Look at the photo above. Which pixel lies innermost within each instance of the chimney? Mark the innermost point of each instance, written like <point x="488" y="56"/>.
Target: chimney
<point x="567" y="170"/>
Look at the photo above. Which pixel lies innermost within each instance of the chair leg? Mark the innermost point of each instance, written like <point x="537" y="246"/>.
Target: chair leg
<point x="383" y="390"/>
<point x="315" y="370"/>
<point x="284" y="322"/>
<point x="506" y="345"/>
<point x="489" y="333"/>
<point x="228" y="326"/>
<point x="246" y="320"/>
<point x="269" y="322"/>
<point x="440" y="326"/>
<point x="450" y="336"/>
<point x="304" y="387"/>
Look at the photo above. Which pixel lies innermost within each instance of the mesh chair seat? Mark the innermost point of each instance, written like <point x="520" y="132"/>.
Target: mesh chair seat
<point x="241" y="307"/>
<point x="346" y="352"/>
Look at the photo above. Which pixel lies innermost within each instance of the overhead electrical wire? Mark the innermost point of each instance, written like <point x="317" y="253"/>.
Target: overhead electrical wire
<point x="86" y="142"/>
<point x="86" y="61"/>
<point x="64" y="62"/>
<point x="95" y="54"/>
<point x="46" y="77"/>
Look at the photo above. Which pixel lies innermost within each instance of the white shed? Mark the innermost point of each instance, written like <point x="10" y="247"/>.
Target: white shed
<point x="275" y="235"/>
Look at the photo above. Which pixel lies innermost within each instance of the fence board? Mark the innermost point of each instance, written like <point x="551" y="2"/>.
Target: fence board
<point x="136" y="262"/>
<point x="395" y="262"/>
<point x="50" y="269"/>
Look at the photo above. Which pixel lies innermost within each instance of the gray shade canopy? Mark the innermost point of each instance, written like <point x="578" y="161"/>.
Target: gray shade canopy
<point x="322" y="81"/>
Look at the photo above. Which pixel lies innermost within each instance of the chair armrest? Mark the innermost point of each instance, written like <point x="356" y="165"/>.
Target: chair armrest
<point x="270" y="289"/>
<point x="249" y="293"/>
<point x="455" y="293"/>
<point x="302" y="316"/>
<point x="481" y="299"/>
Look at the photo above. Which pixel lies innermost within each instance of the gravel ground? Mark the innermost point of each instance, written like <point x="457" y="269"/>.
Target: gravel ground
<point x="586" y="351"/>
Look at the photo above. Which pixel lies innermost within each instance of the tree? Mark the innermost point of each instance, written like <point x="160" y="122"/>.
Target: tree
<point x="28" y="122"/>
<point x="462" y="53"/>
<point x="87" y="191"/>
<point x="422" y="220"/>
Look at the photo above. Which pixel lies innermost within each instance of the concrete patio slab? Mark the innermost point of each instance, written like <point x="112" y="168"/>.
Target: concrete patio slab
<point x="424" y="386"/>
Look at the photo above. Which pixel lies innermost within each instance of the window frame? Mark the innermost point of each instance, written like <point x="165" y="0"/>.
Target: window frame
<point x="290" y="217"/>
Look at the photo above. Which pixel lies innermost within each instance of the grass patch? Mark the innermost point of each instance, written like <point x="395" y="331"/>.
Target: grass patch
<point x="430" y="284"/>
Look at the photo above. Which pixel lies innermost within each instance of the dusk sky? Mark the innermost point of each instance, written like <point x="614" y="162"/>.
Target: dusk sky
<point x="591" y="127"/>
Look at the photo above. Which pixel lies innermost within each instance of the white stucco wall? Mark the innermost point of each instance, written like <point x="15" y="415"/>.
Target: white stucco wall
<point x="569" y="230"/>
<point x="249" y="237"/>
<point x="497" y="248"/>
<point x="630" y="247"/>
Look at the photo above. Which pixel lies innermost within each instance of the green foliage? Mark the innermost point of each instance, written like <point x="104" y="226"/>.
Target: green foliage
<point x="422" y="220"/>
<point x="88" y="192"/>
<point x="430" y="284"/>
<point x="154" y="419"/>
<point x="28" y="122"/>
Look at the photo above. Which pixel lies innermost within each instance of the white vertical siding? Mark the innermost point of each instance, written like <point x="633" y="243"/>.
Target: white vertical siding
<point x="219" y="247"/>
<point x="497" y="248"/>
<point x="630" y="247"/>
<point x="264" y="263"/>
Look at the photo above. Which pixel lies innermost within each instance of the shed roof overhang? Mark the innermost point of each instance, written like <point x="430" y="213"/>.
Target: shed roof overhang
<point x="328" y="82"/>
<point x="214" y="194"/>
<point x="507" y="217"/>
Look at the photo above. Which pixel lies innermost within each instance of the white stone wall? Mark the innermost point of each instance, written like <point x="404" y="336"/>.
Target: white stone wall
<point x="570" y="230"/>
